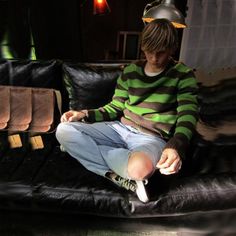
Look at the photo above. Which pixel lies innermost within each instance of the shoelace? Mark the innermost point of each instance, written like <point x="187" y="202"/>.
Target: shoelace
<point x="126" y="183"/>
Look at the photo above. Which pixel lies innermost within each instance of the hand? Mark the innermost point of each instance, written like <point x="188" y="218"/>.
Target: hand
<point x="71" y="116"/>
<point x="170" y="162"/>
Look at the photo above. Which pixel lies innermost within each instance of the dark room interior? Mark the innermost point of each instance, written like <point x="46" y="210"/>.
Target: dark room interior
<point x="78" y="51"/>
<point x="69" y="30"/>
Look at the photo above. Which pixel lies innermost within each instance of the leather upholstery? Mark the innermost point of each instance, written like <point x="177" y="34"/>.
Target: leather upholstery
<point x="52" y="181"/>
<point x="90" y="86"/>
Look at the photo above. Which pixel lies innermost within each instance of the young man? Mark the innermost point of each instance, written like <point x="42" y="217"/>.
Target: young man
<point x="147" y="125"/>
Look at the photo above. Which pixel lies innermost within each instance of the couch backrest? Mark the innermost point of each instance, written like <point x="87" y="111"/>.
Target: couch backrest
<point x="90" y="85"/>
<point x="215" y="143"/>
<point x="217" y="99"/>
<point x="43" y="74"/>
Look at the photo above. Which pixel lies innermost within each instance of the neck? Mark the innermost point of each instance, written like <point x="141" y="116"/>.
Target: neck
<point x="152" y="68"/>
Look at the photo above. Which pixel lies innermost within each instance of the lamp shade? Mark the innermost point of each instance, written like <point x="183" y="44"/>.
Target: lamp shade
<point x="167" y="10"/>
<point x="100" y="7"/>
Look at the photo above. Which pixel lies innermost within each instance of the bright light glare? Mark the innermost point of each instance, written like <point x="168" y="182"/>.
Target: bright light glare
<point x="100" y="1"/>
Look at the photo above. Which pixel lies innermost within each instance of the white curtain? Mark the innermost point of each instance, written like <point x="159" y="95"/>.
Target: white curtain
<point x="209" y="41"/>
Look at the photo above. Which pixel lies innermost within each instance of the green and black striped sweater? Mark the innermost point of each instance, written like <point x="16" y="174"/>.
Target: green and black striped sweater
<point x="164" y="105"/>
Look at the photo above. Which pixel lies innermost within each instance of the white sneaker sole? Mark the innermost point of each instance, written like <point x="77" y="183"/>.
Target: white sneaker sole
<point x="141" y="191"/>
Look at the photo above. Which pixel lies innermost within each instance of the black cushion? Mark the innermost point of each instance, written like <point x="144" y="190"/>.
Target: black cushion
<point x="4" y="72"/>
<point x="90" y="86"/>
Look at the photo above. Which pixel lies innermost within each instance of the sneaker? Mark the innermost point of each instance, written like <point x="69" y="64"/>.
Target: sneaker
<point x="137" y="186"/>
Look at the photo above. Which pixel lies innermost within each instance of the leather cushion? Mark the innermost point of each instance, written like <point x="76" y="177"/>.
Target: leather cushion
<point x="90" y="86"/>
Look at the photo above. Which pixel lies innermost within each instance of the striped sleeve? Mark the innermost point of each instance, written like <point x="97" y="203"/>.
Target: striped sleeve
<point x="187" y="113"/>
<point x="114" y="109"/>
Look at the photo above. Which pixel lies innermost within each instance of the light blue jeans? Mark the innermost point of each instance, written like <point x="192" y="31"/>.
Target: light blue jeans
<point x="106" y="146"/>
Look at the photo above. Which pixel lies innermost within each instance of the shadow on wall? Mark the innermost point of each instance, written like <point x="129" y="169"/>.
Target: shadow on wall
<point x="49" y="27"/>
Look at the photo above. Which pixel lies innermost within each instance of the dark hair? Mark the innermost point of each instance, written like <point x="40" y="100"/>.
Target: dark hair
<point x="159" y="35"/>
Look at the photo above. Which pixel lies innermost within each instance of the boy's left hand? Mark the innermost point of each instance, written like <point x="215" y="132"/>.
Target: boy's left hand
<point x="170" y="162"/>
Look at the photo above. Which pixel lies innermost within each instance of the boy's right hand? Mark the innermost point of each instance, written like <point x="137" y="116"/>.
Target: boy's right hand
<point x="71" y="116"/>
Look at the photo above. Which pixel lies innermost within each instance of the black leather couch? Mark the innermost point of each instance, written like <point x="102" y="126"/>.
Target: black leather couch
<point x="47" y="182"/>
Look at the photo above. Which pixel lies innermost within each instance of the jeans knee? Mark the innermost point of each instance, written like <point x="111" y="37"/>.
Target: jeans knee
<point x="140" y="166"/>
<point x="63" y="132"/>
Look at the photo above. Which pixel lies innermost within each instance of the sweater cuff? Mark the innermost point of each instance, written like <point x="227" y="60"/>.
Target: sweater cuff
<point x="89" y="117"/>
<point x="180" y="143"/>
